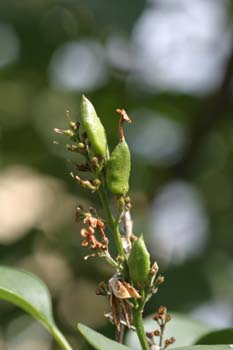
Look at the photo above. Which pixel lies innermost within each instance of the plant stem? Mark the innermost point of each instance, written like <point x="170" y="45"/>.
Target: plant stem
<point x="113" y="225"/>
<point x="110" y="260"/>
<point x="161" y="335"/>
<point x="61" y="340"/>
<point x="120" y="334"/>
<point x="138" y="324"/>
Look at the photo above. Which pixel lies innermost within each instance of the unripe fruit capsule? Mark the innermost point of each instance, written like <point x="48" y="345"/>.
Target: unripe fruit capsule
<point x="94" y="128"/>
<point x="139" y="262"/>
<point x="118" y="169"/>
<point x="118" y="166"/>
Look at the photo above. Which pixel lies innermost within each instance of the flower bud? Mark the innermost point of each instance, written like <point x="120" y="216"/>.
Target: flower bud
<point x="154" y="269"/>
<point x="70" y="133"/>
<point x="96" y="183"/>
<point x="162" y="310"/>
<point x="81" y="146"/>
<point x="139" y="262"/>
<point x="72" y="148"/>
<point x="94" y="163"/>
<point x="159" y="280"/>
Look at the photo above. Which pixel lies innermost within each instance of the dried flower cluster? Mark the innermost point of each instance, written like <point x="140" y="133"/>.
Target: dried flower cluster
<point x="92" y="227"/>
<point x="162" y="318"/>
<point x="135" y="279"/>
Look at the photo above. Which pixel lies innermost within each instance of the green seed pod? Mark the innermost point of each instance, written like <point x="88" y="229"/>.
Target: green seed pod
<point x="118" y="169"/>
<point x="139" y="263"/>
<point x="94" y="128"/>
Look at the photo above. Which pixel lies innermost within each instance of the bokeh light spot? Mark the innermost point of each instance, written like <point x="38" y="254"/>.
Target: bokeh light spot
<point x="181" y="45"/>
<point x="78" y="66"/>
<point x="207" y="312"/>
<point x="156" y="138"/>
<point x="179" y="223"/>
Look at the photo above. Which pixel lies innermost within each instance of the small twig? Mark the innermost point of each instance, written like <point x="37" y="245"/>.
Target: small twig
<point x="120" y="334"/>
<point x="124" y="117"/>
<point x="128" y="224"/>
<point x="162" y="328"/>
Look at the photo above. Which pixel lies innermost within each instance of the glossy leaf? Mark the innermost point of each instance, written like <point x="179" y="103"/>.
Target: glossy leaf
<point x="205" y="347"/>
<point x="31" y="294"/>
<point x="99" y="341"/>
<point x="183" y="328"/>
<point x="223" y="336"/>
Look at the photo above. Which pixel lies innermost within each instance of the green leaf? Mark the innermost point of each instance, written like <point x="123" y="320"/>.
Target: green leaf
<point x="31" y="294"/>
<point x="205" y="347"/>
<point x="184" y="329"/>
<point x="99" y="341"/>
<point x="223" y="336"/>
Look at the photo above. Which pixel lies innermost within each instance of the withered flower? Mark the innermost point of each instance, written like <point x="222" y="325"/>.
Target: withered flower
<point x="92" y="224"/>
<point x="122" y="289"/>
<point x="121" y="309"/>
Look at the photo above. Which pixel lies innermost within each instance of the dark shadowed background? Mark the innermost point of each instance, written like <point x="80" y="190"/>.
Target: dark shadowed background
<point x="169" y="63"/>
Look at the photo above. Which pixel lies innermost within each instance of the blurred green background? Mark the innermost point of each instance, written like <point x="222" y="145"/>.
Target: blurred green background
<point x="169" y="63"/>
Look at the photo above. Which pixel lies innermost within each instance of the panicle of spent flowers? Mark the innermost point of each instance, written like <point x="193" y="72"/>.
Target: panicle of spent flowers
<point x="162" y="318"/>
<point x="135" y="278"/>
<point x="93" y="226"/>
